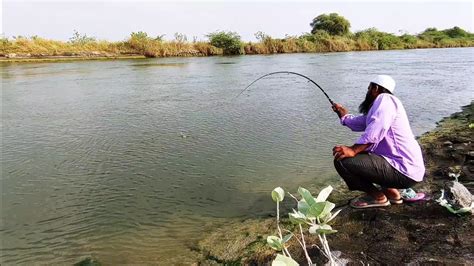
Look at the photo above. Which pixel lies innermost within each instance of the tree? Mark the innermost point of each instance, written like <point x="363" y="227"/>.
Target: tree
<point x="456" y="32"/>
<point x="332" y="24"/>
<point x="228" y="41"/>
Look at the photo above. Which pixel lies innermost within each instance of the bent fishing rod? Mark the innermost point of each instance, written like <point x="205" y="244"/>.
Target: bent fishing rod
<point x="288" y="72"/>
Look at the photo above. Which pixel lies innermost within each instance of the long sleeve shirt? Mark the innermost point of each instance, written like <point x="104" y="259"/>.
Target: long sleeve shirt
<point x="387" y="129"/>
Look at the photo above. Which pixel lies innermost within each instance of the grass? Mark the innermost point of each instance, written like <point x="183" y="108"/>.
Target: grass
<point x="140" y="44"/>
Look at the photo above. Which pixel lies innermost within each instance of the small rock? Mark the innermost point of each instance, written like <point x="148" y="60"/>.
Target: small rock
<point x="450" y="240"/>
<point x="448" y="143"/>
<point x="470" y="154"/>
<point x="457" y="195"/>
<point x="12" y="55"/>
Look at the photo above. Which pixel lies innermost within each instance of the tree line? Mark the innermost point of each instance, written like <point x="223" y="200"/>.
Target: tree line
<point x="329" y="33"/>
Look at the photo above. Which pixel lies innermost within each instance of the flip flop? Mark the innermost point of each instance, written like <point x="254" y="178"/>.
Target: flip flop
<point x="396" y="201"/>
<point x="419" y="196"/>
<point x="409" y="195"/>
<point x="363" y="202"/>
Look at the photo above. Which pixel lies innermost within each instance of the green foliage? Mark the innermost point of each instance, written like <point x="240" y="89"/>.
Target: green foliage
<point x="333" y="24"/>
<point x="447" y="38"/>
<point x="409" y="41"/>
<point x="77" y="38"/>
<point x="228" y="41"/>
<point x="312" y="212"/>
<point x="379" y="40"/>
<point x="456" y="32"/>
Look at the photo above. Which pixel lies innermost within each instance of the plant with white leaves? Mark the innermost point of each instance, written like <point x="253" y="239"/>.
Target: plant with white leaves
<point x="314" y="213"/>
<point x="279" y="242"/>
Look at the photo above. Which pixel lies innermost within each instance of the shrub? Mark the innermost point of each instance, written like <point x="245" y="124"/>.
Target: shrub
<point x="456" y="32"/>
<point x="228" y="41"/>
<point x="78" y="39"/>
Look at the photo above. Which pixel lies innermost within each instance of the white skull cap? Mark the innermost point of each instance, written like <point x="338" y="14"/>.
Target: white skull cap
<point x="385" y="81"/>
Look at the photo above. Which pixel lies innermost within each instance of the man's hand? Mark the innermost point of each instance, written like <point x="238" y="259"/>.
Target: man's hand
<point x="339" y="110"/>
<point x="341" y="152"/>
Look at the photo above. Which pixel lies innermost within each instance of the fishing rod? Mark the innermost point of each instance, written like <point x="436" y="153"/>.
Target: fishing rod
<point x="288" y="72"/>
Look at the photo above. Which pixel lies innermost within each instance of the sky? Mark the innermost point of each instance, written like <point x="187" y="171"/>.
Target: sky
<point x="115" y="20"/>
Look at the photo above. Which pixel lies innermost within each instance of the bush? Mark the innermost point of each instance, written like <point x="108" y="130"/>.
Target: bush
<point x="456" y="32"/>
<point x="228" y="41"/>
<point x="77" y="38"/>
<point x="139" y="41"/>
<point x="379" y="40"/>
<point x="333" y="24"/>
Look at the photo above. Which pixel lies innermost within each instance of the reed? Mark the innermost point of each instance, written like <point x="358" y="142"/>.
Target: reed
<point x="139" y="43"/>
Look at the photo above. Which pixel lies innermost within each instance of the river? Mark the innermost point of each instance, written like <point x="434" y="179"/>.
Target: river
<point x="133" y="161"/>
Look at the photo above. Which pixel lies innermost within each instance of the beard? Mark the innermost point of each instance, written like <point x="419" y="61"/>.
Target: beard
<point x="364" y="107"/>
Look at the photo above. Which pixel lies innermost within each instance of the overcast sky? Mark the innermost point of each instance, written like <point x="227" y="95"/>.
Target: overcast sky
<point x="115" y="20"/>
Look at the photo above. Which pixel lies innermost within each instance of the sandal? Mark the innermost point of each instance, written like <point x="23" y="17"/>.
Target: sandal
<point x="396" y="201"/>
<point x="392" y="200"/>
<point x="366" y="201"/>
<point x="409" y="195"/>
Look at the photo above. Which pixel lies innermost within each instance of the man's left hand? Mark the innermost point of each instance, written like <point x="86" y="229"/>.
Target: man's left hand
<point x="341" y="152"/>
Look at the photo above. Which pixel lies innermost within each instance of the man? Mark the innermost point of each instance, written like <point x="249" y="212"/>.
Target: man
<point x="386" y="154"/>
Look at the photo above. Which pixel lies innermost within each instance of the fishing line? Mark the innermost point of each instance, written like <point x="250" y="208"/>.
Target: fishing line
<point x="287" y="72"/>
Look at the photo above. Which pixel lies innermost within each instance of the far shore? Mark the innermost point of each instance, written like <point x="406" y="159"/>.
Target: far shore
<point x="67" y="58"/>
<point x="106" y="56"/>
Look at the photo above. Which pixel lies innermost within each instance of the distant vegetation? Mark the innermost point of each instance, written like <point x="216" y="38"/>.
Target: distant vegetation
<point x="329" y="33"/>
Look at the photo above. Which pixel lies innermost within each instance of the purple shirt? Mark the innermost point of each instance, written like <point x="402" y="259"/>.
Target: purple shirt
<point x="386" y="127"/>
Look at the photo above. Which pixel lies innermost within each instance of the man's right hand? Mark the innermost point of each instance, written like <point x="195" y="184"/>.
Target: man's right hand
<point x="339" y="110"/>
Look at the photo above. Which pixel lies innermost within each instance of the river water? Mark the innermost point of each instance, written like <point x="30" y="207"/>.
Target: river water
<point x="133" y="161"/>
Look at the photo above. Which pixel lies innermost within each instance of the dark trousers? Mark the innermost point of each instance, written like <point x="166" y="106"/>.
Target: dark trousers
<point x="364" y="170"/>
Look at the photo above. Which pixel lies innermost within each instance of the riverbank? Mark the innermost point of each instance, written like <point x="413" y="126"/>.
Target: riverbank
<point x="140" y="45"/>
<point x="422" y="232"/>
<point x="68" y="58"/>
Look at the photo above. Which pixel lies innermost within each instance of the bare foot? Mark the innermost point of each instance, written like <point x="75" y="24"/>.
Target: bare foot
<point x="392" y="193"/>
<point x="377" y="195"/>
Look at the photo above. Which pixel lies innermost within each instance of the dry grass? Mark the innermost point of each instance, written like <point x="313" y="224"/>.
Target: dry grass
<point x="141" y="44"/>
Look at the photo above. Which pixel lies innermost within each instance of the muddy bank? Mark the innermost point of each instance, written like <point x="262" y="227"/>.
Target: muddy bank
<point x="422" y="232"/>
<point x="10" y="58"/>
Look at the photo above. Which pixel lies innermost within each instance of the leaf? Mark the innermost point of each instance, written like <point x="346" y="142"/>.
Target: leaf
<point x="333" y="215"/>
<point x="287" y="238"/>
<point x="313" y="229"/>
<point x="278" y="194"/>
<point x="324" y="219"/>
<point x="281" y="260"/>
<point x="306" y="196"/>
<point x="316" y="209"/>
<point x="274" y="242"/>
<point x="328" y="206"/>
<point x="321" y="229"/>
<point x="321" y="209"/>
<point x="303" y="207"/>
<point x="326" y="229"/>
<point x="297" y="217"/>
<point x="324" y="194"/>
